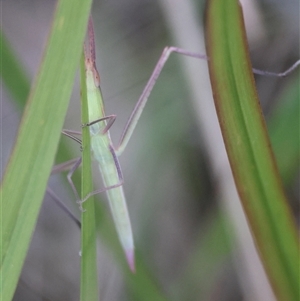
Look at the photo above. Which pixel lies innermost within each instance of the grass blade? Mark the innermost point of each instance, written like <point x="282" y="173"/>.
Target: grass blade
<point x="26" y="176"/>
<point x="248" y="147"/>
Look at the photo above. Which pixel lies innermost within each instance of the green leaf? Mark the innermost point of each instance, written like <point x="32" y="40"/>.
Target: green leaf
<point x="30" y="164"/>
<point x="248" y="147"/>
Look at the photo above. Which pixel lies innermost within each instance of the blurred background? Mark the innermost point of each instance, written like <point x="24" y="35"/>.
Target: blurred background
<point x="190" y="233"/>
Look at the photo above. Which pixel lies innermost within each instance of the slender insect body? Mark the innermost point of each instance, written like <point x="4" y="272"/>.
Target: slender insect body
<point x="100" y="144"/>
<point x="111" y="176"/>
<point x="120" y="215"/>
<point x="117" y="202"/>
<point x="105" y="155"/>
